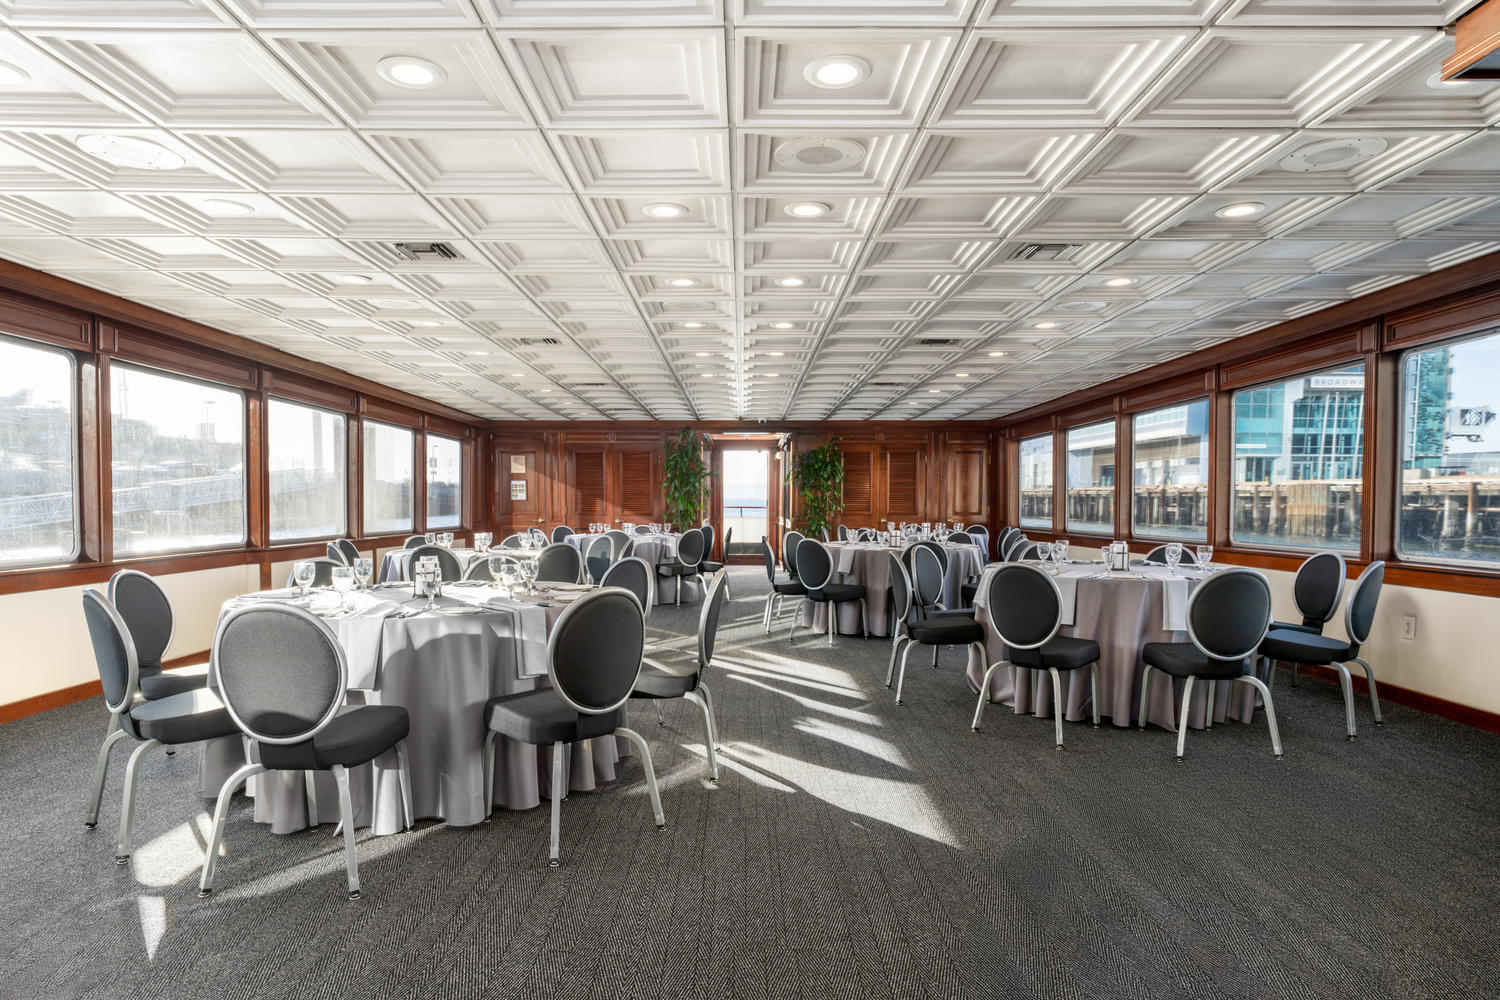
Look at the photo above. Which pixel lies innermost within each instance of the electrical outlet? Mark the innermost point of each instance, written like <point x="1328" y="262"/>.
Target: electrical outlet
<point x="1409" y="627"/>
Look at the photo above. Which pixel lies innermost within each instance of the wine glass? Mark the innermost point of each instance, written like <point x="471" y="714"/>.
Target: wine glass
<point x="343" y="582"/>
<point x="1205" y="555"/>
<point x="482" y="540"/>
<point x="1044" y="553"/>
<point x="364" y="568"/>
<point x="429" y="537"/>
<point x="1060" y="551"/>
<point x="1106" y="555"/>
<point x="303" y="574"/>
<point x="1174" y="556"/>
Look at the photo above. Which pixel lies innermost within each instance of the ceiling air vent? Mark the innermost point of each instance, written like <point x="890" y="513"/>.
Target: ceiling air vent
<point x="1046" y="251"/>
<point x="426" y="251"/>
<point x="886" y="385"/>
<point x="936" y="341"/>
<point x="537" y="341"/>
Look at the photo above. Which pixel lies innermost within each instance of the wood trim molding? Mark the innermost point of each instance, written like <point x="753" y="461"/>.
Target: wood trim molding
<point x="37" y="704"/>
<point x="1422" y="702"/>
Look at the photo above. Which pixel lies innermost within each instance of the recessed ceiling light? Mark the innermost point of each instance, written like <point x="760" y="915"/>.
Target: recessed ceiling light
<point x="997" y="354"/>
<point x="481" y="354"/>
<point x="1333" y="154"/>
<point x="791" y="281"/>
<point x="772" y="374"/>
<point x="130" y="151"/>
<point x="223" y="206"/>
<point x="546" y="390"/>
<point x="934" y="390"/>
<point x="683" y="282"/>
<point x="353" y="279"/>
<point x="694" y="325"/>
<point x="776" y="354"/>
<point x="807" y="209"/>
<point x="1243" y="210"/>
<point x="703" y="354"/>
<point x="783" y="325"/>
<point x="13" y="76"/>
<point x="411" y="72"/>
<point x="517" y="374"/>
<point x="1119" y="282"/>
<point x="960" y="374"/>
<point x="1045" y="324"/>
<point x="708" y="374"/>
<point x="665" y="210"/>
<point x="425" y="322"/>
<point x="836" y="72"/>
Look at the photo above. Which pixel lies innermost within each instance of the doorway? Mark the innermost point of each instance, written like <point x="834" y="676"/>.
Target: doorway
<point x="744" y="500"/>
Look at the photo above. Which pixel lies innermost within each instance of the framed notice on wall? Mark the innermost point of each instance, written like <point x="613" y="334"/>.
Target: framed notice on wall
<point x="518" y="489"/>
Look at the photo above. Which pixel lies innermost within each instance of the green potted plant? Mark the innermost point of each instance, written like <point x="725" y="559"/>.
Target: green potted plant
<point x="684" y="479"/>
<point x="818" y="475"/>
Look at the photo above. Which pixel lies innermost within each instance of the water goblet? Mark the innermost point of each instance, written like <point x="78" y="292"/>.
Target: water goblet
<point x="343" y="582"/>
<point x="1173" y="556"/>
<point x="364" y="568"/>
<point x="482" y="540"/>
<point x="429" y="537"/>
<point x="1205" y="555"/>
<point x="1107" y="556"/>
<point x="1060" y="551"/>
<point x="1044" y="553"/>
<point x="303" y="574"/>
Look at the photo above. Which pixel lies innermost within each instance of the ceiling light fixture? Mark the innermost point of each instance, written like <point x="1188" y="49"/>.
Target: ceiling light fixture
<point x="934" y="390"/>
<point x="783" y="325"/>
<point x="1045" y="324"/>
<point x="807" y="209"/>
<point x="960" y="374"/>
<point x="546" y="390"/>
<point x="703" y="354"/>
<point x="1243" y="210"/>
<point x="997" y="354"/>
<point x="776" y="354"/>
<point x="772" y="374"/>
<point x="818" y="155"/>
<point x="683" y="282"/>
<point x="1333" y="154"/>
<point x="411" y="72"/>
<point x="223" y="206"/>
<point x="694" y="325"/>
<point x="353" y="279"/>
<point x="130" y="151"/>
<point x="665" y="210"/>
<point x="1120" y="282"/>
<point x="708" y="374"/>
<point x="836" y="72"/>
<point x="517" y="374"/>
<point x="425" y="322"/>
<point x="791" y="281"/>
<point x="13" y="76"/>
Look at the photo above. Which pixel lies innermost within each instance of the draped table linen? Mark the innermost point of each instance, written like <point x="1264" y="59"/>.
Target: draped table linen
<point x="396" y="566"/>
<point x="660" y="550"/>
<point x="869" y="564"/>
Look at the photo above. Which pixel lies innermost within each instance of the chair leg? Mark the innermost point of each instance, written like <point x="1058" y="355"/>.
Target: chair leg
<point x="864" y="618"/>
<point x="1140" y="719"/>
<point x="645" y="752"/>
<point x="489" y="774"/>
<point x="1057" y="704"/>
<point x="1346" y="684"/>
<point x="346" y="813"/>
<point x="311" y="787"/>
<point x="791" y="629"/>
<point x="127" y="806"/>
<point x="934" y="657"/>
<point x="708" y="734"/>
<point x="221" y="814"/>
<point x="765" y="613"/>
<point x="554" y="851"/>
<point x="1265" y="693"/>
<point x="1374" y="697"/>
<point x="1187" y="695"/>
<point x="713" y="717"/>
<point x="1094" y="690"/>
<point x="896" y="640"/>
<point x="1294" y="675"/>
<point x="984" y="692"/>
<point x="833" y="616"/>
<point x="661" y="720"/>
<point x="1208" y="716"/>
<point x="901" y="675"/>
<point x="112" y="735"/>
<point x="403" y="762"/>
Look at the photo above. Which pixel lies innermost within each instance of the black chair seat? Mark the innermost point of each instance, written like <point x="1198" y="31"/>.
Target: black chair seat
<point x="709" y="566"/>
<point x="1300" y="647"/>
<point x="541" y="717"/>
<point x="357" y="734"/>
<point x="838" y="593"/>
<point x="792" y="587"/>
<point x="160" y="683"/>
<point x="183" y="718"/>
<point x="946" y="631"/>
<point x="676" y="569"/>
<point x="665" y="680"/>
<point x="1183" y="659"/>
<point x="968" y="591"/>
<point x="1061" y="653"/>
<point x="1295" y="627"/>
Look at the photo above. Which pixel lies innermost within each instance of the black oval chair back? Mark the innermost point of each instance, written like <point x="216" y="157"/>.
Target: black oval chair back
<point x="900" y="590"/>
<point x="643" y="529"/>
<point x="927" y="578"/>
<point x="617" y="542"/>
<point x="843" y="533"/>
<point x="1031" y="550"/>
<point x="789" y="543"/>
<point x="824" y="533"/>
<point x="114" y="651"/>
<point x="539" y="535"/>
<point x="479" y="569"/>
<point x="635" y="575"/>
<point x="412" y="541"/>
<point x="561" y="531"/>
<point x="1158" y="556"/>
<point x="147" y="613"/>
<point x="690" y="547"/>
<point x="448" y="565"/>
<point x="769" y="558"/>
<point x="937" y="550"/>
<point x="559" y="563"/>
<point x="1015" y="547"/>
<point x="708" y="621"/>
<point x="337" y="554"/>
<point x="322" y="572"/>
<point x="594" y="652"/>
<point x="960" y="538"/>
<point x="1319" y="587"/>
<point x="1359" y="614"/>
<point x="627" y="551"/>
<point x="597" y="559"/>
<point x="728" y="541"/>
<point x="1024" y="606"/>
<point x="708" y="540"/>
<point x="1229" y="613"/>
<point x="511" y="542"/>
<point x="281" y="672"/>
<point x="814" y="564"/>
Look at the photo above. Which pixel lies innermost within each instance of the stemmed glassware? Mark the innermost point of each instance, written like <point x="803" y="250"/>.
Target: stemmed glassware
<point x="429" y="574"/>
<point x="303" y="574"/>
<point x="1174" y="556"/>
<point x="1107" y="556"/>
<point x="429" y="537"/>
<point x="1060" y="552"/>
<point x="482" y="540"/>
<point x="1044" y="553"/>
<point x="1205" y="555"/>
<point x="364" y="569"/>
<point x="343" y="582"/>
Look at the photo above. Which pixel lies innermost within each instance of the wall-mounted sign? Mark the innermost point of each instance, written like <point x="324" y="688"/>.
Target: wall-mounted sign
<point x="518" y="489"/>
<point x="518" y="465"/>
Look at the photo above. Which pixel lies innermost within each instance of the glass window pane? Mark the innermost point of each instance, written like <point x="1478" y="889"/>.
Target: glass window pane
<point x="444" y="482"/>
<point x="1091" y="478"/>
<point x="387" y="478"/>
<point x="1036" y="482"/>
<point x="1298" y="458"/>
<point x="178" y="461"/>
<point x="308" y="472"/>
<point x="38" y="509"/>
<point x="1169" y="492"/>
<point x="1450" y="452"/>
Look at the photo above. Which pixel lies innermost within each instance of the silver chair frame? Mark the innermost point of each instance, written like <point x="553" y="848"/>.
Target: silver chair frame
<point x="864" y="620"/>
<point x="901" y="638"/>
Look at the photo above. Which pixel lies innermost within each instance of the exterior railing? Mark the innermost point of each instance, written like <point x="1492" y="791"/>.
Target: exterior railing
<point x="749" y="524"/>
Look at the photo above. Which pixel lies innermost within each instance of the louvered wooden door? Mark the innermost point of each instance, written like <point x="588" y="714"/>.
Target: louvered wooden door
<point x="638" y="494"/>
<point x="587" y="492"/>
<point x="903" y="486"/>
<point x="859" y="487"/>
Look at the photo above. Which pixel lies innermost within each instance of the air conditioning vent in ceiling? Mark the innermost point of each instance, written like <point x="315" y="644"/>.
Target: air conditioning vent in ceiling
<point x="886" y="385"/>
<point x="426" y="251"/>
<point x="537" y="341"/>
<point x="936" y="341"/>
<point x="1046" y="251"/>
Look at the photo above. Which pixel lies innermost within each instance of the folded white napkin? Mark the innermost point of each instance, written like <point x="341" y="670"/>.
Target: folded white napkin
<point x="1174" y="601"/>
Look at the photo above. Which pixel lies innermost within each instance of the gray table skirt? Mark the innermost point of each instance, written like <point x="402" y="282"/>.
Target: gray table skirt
<point x="872" y="569"/>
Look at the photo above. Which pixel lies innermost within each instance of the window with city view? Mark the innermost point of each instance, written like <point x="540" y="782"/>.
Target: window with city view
<point x="1091" y="479"/>
<point x="38" y="510"/>
<point x="177" y="461"/>
<point x="1450" y="452"/>
<point x="1036" y="482"/>
<point x="1298" y="458"/>
<point x="387" y="465"/>
<point x="308" y="472"/>
<point x="1169" y="489"/>
<point x="444" y="482"/>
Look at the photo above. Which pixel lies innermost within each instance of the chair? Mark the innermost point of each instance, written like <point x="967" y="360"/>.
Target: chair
<point x="561" y="531"/>
<point x="322" y="572"/>
<point x="1158" y="556"/>
<point x="538" y="535"/>
<point x="708" y="540"/>
<point x="597" y="559"/>
<point x="336" y="553"/>
<point x="1015" y="547"/>
<point x="1316" y="592"/>
<point x="789" y="543"/>
<point x="617" y="542"/>
<point x="1227" y="617"/>
<point x="1029" y="551"/>
<point x="1296" y="646"/>
<point x="960" y="538"/>
<point x="511" y="541"/>
<point x="815" y="571"/>
<point x="147" y="613"/>
<point x="659" y="682"/>
<point x="479" y="569"/>
<point x="689" y="555"/>
<point x="936" y="631"/>
<point x="824" y="533"/>
<point x="643" y="529"/>
<point x="635" y="575"/>
<point x="449" y="567"/>
<point x="185" y="717"/>
<point x="284" y="681"/>
<point x="779" y="589"/>
<point x="843" y="533"/>
<point x="627" y="551"/>
<point x="1025" y="610"/>
<point x="908" y="555"/>
<point x="591" y="680"/>
<point x="709" y="566"/>
<point x="559" y="562"/>
<point x="981" y="536"/>
<point x="412" y="541"/>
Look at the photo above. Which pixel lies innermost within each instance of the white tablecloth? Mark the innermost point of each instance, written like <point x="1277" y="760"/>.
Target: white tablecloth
<point x="869" y="565"/>
<point x="397" y="565"/>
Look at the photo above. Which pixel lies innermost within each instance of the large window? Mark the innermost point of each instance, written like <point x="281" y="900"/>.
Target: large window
<point x="1091" y="478"/>
<point x="444" y="482"/>
<point x="178" y="462"/>
<point x="387" y="478"/>
<point x="38" y="506"/>
<point x="308" y="472"/>
<point x="1298" y="458"/>
<point x="1450" y="452"/>
<point x="1169" y="490"/>
<point x="1036" y="482"/>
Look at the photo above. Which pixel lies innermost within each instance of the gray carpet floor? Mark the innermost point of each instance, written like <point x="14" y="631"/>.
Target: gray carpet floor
<point x="853" y="848"/>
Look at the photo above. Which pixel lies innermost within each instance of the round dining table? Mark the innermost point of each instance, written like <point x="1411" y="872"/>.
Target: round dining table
<point x="660" y="549"/>
<point x="442" y="664"/>
<point x="868" y="564"/>
<point x="396" y="565"/>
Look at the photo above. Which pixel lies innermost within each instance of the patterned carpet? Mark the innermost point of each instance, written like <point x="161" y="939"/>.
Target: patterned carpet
<point x="854" y="848"/>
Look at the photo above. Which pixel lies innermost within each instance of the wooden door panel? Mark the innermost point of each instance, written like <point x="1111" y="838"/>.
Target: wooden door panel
<point x="903" y="485"/>
<point x="966" y="484"/>
<point x="638" y="497"/>
<point x="587" y="499"/>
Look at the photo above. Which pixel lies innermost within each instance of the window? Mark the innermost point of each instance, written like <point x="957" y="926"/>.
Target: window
<point x="38" y="505"/>
<point x="1091" y="478"/>
<point x="178" y="462"/>
<point x="1298" y="458"/>
<point x="308" y="472"/>
<point x="1450" y="452"/>
<point x="445" y="479"/>
<point x="1169" y="489"/>
<point x="1036" y="482"/>
<point x="387" y="478"/>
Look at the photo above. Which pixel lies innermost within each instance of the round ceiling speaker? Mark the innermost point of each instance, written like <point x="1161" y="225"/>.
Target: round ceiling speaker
<point x="1333" y="154"/>
<point x="810" y="155"/>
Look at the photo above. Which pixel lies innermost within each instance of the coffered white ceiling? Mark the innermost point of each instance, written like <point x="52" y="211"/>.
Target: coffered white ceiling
<point x="992" y="168"/>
